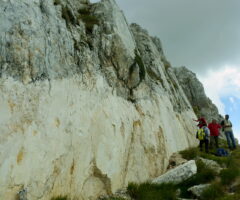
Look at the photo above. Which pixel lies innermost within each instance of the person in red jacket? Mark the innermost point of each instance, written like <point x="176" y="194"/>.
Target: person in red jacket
<point x="214" y="132"/>
<point x="201" y="122"/>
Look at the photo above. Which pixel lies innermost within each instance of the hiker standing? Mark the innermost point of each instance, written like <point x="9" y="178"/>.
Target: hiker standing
<point x="203" y="137"/>
<point x="214" y="132"/>
<point x="201" y="122"/>
<point x="227" y="128"/>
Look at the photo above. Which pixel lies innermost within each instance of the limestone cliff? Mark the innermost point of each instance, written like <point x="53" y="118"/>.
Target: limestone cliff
<point x="195" y="93"/>
<point x="87" y="102"/>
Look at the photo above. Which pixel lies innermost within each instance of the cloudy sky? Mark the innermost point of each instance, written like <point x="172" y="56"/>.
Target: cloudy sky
<point x="203" y="35"/>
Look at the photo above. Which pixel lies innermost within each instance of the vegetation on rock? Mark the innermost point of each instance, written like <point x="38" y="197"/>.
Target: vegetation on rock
<point x="88" y="18"/>
<point x="152" y="191"/>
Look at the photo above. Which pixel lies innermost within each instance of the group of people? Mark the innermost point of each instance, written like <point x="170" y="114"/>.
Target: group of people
<point x="212" y="131"/>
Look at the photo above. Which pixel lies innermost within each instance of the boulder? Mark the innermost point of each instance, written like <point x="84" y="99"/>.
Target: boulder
<point x="197" y="190"/>
<point x="178" y="174"/>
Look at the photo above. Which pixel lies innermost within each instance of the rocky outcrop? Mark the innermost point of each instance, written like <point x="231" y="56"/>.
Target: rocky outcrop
<point x="87" y="102"/>
<point x="178" y="174"/>
<point x="195" y="93"/>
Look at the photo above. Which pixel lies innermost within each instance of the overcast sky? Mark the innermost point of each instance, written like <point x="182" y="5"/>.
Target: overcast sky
<point x="204" y="36"/>
<point x="195" y="33"/>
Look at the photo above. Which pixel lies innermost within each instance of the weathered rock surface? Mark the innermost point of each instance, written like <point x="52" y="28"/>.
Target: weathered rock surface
<point x="195" y="93"/>
<point x="178" y="174"/>
<point x="87" y="102"/>
<point x="197" y="190"/>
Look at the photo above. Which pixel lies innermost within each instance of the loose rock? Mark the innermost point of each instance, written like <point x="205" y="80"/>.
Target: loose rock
<point x="178" y="174"/>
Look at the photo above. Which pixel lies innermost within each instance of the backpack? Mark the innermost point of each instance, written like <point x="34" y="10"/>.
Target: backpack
<point x="207" y="131"/>
<point x="221" y="152"/>
<point x="201" y="134"/>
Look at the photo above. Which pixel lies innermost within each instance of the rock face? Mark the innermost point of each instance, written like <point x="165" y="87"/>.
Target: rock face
<point x="194" y="91"/>
<point x="87" y="102"/>
<point x="178" y="174"/>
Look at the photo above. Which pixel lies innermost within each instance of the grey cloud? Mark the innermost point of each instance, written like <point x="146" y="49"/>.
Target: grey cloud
<point x="197" y="34"/>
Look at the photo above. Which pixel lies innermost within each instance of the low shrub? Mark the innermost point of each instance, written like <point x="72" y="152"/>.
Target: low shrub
<point x="88" y="18"/>
<point x="204" y="173"/>
<point x="229" y="175"/>
<point x="214" y="192"/>
<point x="112" y="198"/>
<point x="231" y="197"/>
<point x="132" y="189"/>
<point x="60" y="198"/>
<point x="152" y="191"/>
<point x="189" y="154"/>
<point x="236" y="153"/>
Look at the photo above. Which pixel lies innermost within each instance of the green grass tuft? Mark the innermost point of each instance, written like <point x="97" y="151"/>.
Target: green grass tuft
<point x="152" y="191"/>
<point x="113" y="198"/>
<point x="230" y="197"/>
<point x="88" y="18"/>
<point x="204" y="173"/>
<point x="132" y="189"/>
<point x="60" y="198"/>
<point x="229" y="175"/>
<point x="214" y="192"/>
<point x="189" y="154"/>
